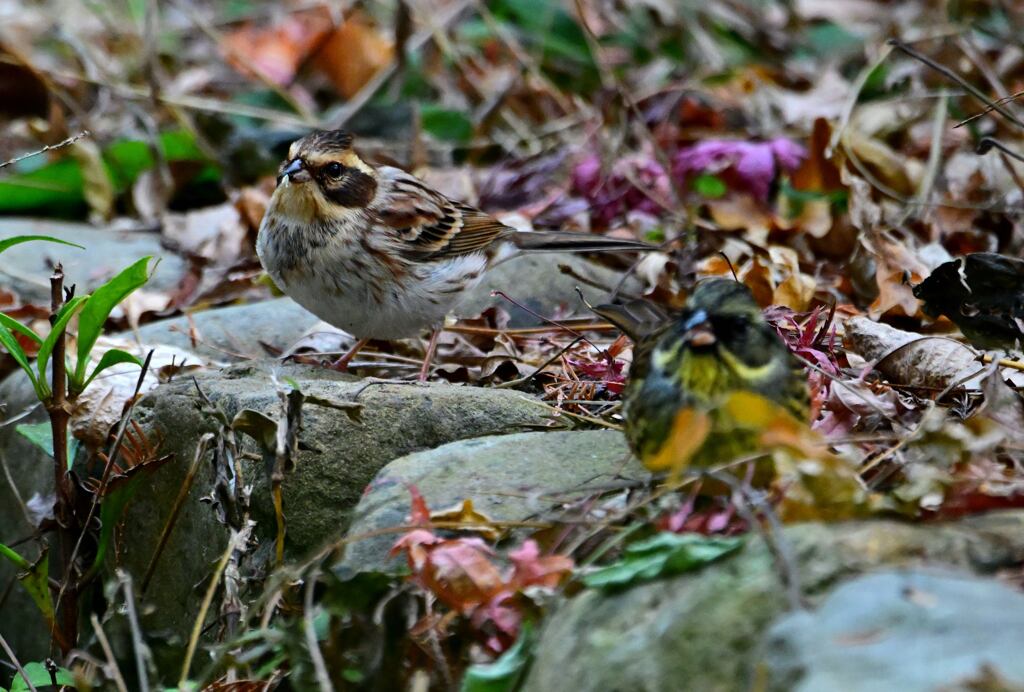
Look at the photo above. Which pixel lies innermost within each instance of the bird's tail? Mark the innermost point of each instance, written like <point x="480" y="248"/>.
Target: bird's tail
<point x="563" y="241"/>
<point x="636" y="319"/>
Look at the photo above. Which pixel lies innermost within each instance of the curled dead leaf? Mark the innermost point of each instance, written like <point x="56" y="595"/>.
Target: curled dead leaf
<point x="912" y="359"/>
<point x="471" y="520"/>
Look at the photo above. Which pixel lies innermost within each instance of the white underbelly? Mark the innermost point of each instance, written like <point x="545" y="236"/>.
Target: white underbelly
<point x="388" y="309"/>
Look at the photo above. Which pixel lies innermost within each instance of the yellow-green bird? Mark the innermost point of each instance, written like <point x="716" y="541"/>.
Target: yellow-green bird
<point x="704" y="385"/>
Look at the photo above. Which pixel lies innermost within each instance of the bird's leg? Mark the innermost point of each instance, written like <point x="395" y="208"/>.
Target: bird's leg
<point x="341" y="365"/>
<point x="428" y="357"/>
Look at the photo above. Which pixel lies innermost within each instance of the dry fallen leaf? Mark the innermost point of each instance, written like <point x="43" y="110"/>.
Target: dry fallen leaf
<point x="276" y="52"/>
<point x="98" y="188"/>
<point x="464" y="513"/>
<point x="217" y="234"/>
<point x="99" y="407"/>
<point x="353" y="54"/>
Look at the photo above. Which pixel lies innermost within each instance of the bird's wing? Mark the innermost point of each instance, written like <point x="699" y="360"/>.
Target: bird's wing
<point x="429" y="225"/>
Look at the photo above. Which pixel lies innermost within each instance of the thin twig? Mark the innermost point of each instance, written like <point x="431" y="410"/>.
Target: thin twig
<point x="987" y="144"/>
<point x="49" y="147"/>
<point x="14" y="491"/>
<point x="556" y="323"/>
<point x="323" y="680"/>
<point x="14" y="659"/>
<point x="139" y="647"/>
<point x="851" y="102"/>
<point x="179" y="501"/>
<point x="954" y="77"/>
<point x="200" y="103"/>
<point x="1003" y="362"/>
<point x="114" y="671"/>
<point x="238" y="538"/>
<point x="214" y="35"/>
<point x="989" y="109"/>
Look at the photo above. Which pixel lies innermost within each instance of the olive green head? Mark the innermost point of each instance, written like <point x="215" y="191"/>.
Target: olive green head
<point x="722" y="315"/>
<point x="718" y="345"/>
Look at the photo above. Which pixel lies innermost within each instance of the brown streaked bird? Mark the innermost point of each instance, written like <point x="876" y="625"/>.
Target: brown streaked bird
<point x="375" y="251"/>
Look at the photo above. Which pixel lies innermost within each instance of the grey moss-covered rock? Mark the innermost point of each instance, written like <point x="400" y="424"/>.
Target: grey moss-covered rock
<point x="26" y="268"/>
<point x="338" y="458"/>
<point x="703" y="631"/>
<point x="508" y="478"/>
<point x="912" y="631"/>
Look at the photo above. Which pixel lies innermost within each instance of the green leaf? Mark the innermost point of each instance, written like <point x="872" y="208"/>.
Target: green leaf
<point x="449" y="125"/>
<point x="655" y="235"/>
<point x="114" y="356"/>
<point x="40" y="678"/>
<point x="39" y="434"/>
<point x="59" y="186"/>
<point x="10" y="343"/>
<point x="64" y="316"/>
<point x="18" y="239"/>
<point x="16" y="326"/>
<point x="709" y="186"/>
<point x="662" y="555"/>
<point x="98" y="308"/>
<point x="35" y="579"/>
<point x="504" y="673"/>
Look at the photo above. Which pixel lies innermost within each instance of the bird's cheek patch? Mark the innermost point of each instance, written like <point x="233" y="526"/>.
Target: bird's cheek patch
<point x="355" y="190"/>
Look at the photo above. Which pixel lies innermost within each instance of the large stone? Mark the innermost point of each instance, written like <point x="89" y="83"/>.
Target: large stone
<point x="26" y="268"/>
<point x="702" y="631"/>
<point x="234" y="332"/>
<point x="911" y="631"/>
<point x="537" y="282"/>
<point x="31" y="473"/>
<point x="338" y="458"/>
<point x="508" y="478"/>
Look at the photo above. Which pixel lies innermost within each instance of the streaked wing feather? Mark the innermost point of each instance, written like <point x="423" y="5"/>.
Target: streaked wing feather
<point x="430" y="225"/>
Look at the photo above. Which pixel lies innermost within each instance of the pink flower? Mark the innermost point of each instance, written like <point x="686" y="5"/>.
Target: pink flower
<point x="613" y="193"/>
<point x="754" y="163"/>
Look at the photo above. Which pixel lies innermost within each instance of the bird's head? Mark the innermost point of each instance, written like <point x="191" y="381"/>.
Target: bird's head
<point x="719" y="311"/>
<point x="323" y="178"/>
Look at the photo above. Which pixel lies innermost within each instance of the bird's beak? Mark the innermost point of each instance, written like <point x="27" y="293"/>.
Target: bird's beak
<point x="697" y="330"/>
<point x="294" y="172"/>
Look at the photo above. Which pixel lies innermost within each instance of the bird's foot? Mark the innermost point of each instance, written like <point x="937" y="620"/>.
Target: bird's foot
<point x="341" y="365"/>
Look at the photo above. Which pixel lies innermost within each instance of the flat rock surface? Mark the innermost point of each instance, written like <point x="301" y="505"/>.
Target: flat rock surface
<point x="912" y="631"/>
<point x="26" y="268"/>
<point x="703" y="631"/>
<point x="234" y="332"/>
<point x="508" y="478"/>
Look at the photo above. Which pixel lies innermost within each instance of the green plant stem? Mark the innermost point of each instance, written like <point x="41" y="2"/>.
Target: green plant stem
<point x="14" y="557"/>
<point x="59" y="411"/>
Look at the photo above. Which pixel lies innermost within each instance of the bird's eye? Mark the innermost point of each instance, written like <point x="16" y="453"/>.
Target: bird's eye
<point x="334" y="169"/>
